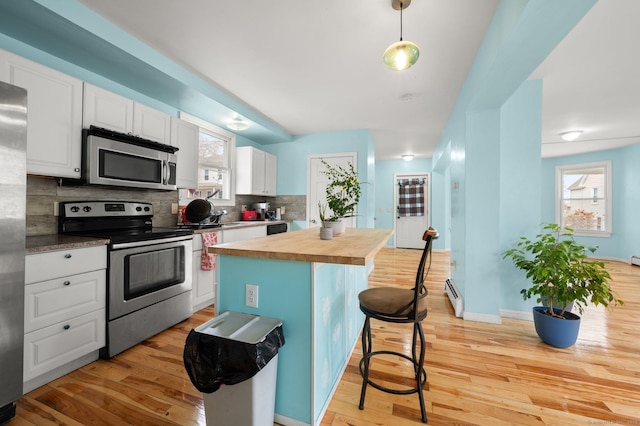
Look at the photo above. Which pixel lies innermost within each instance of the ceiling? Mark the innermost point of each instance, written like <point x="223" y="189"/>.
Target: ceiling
<point x="591" y="82"/>
<point x="317" y="66"/>
<point x="311" y="67"/>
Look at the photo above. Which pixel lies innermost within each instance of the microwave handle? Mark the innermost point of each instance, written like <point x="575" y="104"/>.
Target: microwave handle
<point x="166" y="172"/>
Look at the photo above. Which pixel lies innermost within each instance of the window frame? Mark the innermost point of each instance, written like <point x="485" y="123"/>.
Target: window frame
<point x="231" y="140"/>
<point x="568" y="168"/>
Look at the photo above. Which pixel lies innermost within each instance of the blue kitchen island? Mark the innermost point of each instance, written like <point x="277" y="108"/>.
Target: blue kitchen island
<point x="312" y="285"/>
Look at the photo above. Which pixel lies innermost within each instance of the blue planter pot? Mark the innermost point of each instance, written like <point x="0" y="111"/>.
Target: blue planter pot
<point x="557" y="332"/>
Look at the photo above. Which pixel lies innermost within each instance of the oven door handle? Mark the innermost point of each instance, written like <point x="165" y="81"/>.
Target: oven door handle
<point x="150" y="242"/>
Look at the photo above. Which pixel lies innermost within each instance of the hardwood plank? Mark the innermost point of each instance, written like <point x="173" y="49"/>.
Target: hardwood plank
<point x="478" y="374"/>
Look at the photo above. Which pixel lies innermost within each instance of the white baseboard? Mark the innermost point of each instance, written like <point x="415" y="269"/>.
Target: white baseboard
<point x="519" y="315"/>
<point x="473" y="316"/>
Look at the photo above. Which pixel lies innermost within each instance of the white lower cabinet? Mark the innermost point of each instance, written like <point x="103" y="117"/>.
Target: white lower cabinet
<point x="203" y="292"/>
<point x="233" y="235"/>
<point x="65" y="301"/>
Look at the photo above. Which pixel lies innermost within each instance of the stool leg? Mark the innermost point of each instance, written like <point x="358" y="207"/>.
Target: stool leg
<point x="420" y="367"/>
<point x="364" y="363"/>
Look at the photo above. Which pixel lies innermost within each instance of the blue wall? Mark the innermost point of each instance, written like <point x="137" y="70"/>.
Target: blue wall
<point x="521" y="34"/>
<point x="293" y="159"/>
<point x="625" y="173"/>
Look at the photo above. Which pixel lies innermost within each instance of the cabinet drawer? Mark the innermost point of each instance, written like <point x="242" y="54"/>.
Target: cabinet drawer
<point x="62" y="263"/>
<point x="56" y="345"/>
<point x="49" y="302"/>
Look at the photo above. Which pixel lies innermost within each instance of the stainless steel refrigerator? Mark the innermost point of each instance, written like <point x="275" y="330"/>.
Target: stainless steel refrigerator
<point x="13" y="190"/>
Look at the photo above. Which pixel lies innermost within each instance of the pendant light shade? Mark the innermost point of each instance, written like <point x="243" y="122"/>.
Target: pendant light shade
<point x="403" y="54"/>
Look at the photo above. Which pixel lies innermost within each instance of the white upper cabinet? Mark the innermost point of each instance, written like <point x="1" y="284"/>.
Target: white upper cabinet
<point x="270" y="174"/>
<point x="151" y="124"/>
<point x="107" y="110"/>
<point x="185" y="136"/>
<point x="54" y="125"/>
<point x="256" y="172"/>
<point x="114" y="112"/>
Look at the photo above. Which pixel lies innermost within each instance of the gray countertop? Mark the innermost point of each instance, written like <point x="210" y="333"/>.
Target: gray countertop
<point x="43" y="243"/>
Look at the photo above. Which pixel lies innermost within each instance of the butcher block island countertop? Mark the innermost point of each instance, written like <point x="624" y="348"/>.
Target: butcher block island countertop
<point x="356" y="246"/>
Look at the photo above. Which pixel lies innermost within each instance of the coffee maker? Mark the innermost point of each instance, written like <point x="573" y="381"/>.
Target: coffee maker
<point x="261" y="210"/>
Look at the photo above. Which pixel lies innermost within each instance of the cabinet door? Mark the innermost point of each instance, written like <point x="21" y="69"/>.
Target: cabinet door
<point x="232" y="235"/>
<point x="107" y="110"/>
<point x="49" y="302"/>
<point x="244" y="170"/>
<point x="149" y="123"/>
<point x="270" y="174"/>
<point x="58" y="344"/>
<point x="54" y="127"/>
<point x="257" y="177"/>
<point x="185" y="136"/>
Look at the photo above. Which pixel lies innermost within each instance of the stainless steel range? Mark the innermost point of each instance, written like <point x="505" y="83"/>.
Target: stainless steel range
<point x="149" y="269"/>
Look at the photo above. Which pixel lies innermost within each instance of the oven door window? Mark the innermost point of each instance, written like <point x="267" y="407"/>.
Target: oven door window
<point x="153" y="270"/>
<point x="118" y="165"/>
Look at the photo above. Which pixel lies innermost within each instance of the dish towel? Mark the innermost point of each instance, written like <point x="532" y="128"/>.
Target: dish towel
<point x="411" y="197"/>
<point x="208" y="261"/>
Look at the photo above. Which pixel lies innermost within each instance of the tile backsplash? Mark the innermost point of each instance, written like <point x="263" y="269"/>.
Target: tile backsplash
<point x="44" y="192"/>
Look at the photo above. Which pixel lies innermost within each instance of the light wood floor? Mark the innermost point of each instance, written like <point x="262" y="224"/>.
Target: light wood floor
<point x="477" y="373"/>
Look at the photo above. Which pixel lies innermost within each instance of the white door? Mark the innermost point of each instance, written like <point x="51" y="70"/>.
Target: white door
<point x="412" y="204"/>
<point x="317" y="184"/>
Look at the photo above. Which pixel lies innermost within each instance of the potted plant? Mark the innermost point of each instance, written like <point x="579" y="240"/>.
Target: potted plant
<point x="342" y="193"/>
<point x="560" y="273"/>
<point x="326" y="232"/>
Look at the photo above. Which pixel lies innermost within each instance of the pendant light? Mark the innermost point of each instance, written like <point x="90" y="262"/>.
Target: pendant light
<point x="401" y="55"/>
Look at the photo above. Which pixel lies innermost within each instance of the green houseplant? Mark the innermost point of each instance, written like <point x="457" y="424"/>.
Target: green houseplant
<point x="342" y="192"/>
<point x="561" y="273"/>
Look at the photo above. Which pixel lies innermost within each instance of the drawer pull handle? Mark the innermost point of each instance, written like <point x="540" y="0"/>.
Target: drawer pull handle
<point x="67" y="326"/>
<point x="67" y="256"/>
<point x="67" y="283"/>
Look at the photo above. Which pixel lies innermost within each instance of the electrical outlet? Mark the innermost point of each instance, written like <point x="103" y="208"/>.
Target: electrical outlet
<point x="283" y="210"/>
<point x="56" y="208"/>
<point x="244" y="208"/>
<point x="174" y="208"/>
<point x="251" y="295"/>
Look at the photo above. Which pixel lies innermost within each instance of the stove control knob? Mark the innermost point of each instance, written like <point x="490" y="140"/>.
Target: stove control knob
<point x="86" y="209"/>
<point x="138" y="209"/>
<point x="75" y="209"/>
<point x="146" y="209"/>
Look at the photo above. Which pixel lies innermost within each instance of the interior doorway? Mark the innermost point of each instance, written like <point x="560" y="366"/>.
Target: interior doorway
<point x="412" y="209"/>
<point x="317" y="183"/>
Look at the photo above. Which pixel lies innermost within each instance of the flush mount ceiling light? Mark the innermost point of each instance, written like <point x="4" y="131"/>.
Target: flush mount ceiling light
<point x="401" y="55"/>
<point x="407" y="157"/>
<point x="238" y="124"/>
<point x="571" y="136"/>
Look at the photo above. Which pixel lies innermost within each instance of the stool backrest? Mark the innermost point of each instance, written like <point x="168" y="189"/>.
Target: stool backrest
<point x="419" y="311"/>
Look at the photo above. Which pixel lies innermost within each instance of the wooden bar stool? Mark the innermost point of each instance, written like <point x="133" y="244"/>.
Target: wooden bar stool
<point x="398" y="305"/>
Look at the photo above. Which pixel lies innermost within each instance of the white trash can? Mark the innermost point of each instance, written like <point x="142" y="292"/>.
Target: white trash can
<point x="252" y="401"/>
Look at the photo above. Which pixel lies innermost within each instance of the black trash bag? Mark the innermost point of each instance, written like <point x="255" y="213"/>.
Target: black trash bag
<point x="212" y="361"/>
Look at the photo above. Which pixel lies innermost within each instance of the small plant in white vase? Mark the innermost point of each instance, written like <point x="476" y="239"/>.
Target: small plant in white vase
<point x="326" y="232"/>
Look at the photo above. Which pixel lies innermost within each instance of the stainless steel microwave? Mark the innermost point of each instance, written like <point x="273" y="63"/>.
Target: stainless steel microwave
<point x="118" y="159"/>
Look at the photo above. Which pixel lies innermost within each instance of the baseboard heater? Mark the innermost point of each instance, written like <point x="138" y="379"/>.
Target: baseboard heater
<point x="454" y="297"/>
<point x="635" y="260"/>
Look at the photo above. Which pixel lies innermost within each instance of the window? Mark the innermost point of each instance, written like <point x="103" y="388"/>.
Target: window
<point x="584" y="198"/>
<point x="215" y="160"/>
